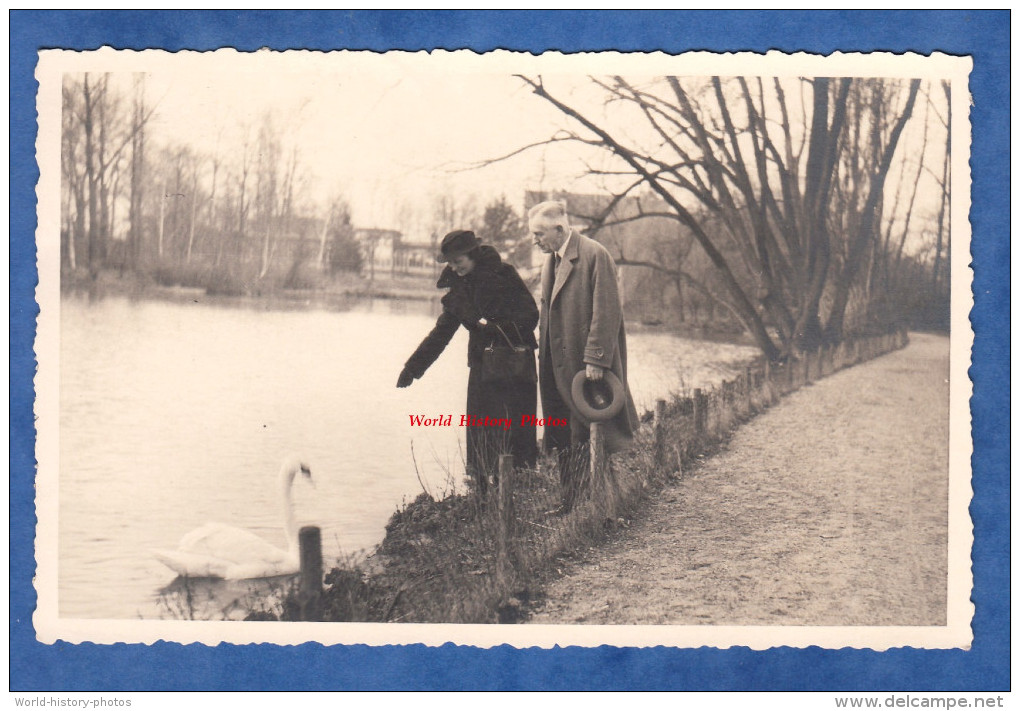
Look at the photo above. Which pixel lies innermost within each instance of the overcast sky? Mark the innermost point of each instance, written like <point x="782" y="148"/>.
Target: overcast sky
<point x="393" y="132"/>
<point x="389" y="143"/>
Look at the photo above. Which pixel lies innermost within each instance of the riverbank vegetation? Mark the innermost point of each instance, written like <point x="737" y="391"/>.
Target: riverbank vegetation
<point x="467" y="558"/>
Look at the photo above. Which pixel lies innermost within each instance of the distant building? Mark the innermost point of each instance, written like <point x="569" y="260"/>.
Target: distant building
<point x="377" y="247"/>
<point x="388" y="252"/>
<point x="416" y="257"/>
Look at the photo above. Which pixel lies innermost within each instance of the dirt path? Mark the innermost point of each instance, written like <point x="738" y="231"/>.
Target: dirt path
<point x="828" y="509"/>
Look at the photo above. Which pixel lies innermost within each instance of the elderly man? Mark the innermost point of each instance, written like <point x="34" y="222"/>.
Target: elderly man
<point x="580" y="328"/>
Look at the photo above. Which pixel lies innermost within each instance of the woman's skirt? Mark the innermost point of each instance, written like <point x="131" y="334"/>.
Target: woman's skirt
<point x="501" y="423"/>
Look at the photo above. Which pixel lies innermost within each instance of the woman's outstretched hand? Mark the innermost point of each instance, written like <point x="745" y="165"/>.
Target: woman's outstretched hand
<point x="405" y="378"/>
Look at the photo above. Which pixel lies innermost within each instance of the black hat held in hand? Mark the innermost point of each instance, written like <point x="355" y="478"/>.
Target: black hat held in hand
<point x="597" y="400"/>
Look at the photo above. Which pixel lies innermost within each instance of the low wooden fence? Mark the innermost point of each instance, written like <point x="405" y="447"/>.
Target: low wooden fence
<point x="681" y="430"/>
<point x="686" y="427"/>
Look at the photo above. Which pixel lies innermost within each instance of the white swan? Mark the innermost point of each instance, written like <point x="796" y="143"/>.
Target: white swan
<point x="216" y="550"/>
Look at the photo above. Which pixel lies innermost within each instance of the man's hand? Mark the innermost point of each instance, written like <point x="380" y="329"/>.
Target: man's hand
<point x="405" y="378"/>
<point x="593" y="372"/>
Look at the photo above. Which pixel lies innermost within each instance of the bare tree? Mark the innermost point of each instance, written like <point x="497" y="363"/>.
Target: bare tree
<point x="139" y="116"/>
<point x="869" y="215"/>
<point x="941" y="235"/>
<point x="97" y="131"/>
<point x="730" y="147"/>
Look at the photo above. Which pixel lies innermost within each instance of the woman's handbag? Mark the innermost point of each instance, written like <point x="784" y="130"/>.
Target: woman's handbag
<point x="509" y="363"/>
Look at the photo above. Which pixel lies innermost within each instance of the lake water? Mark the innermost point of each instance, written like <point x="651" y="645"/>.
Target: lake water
<point x="174" y="414"/>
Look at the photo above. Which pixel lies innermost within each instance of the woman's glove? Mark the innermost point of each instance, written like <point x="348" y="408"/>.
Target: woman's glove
<point x="405" y="379"/>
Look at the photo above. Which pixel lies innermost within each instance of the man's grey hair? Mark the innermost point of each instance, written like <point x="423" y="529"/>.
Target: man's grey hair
<point x="552" y="210"/>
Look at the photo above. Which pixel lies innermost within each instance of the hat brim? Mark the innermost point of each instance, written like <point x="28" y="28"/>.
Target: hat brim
<point x="461" y="249"/>
<point x="444" y="258"/>
<point x="589" y="411"/>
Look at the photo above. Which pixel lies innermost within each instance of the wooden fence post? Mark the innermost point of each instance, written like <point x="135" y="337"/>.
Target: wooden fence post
<point x="659" y="428"/>
<point x="505" y="509"/>
<point x="597" y="442"/>
<point x="749" y="384"/>
<point x="699" y="414"/>
<point x="604" y="488"/>
<point x="770" y="383"/>
<point x="310" y="585"/>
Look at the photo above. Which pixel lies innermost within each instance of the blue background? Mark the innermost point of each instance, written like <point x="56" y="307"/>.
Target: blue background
<point x="983" y="35"/>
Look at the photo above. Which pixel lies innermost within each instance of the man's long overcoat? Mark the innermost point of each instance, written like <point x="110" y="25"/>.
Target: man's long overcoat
<point x="582" y="323"/>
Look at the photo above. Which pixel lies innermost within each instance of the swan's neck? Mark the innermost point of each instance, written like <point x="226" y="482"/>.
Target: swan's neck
<point x="289" y="522"/>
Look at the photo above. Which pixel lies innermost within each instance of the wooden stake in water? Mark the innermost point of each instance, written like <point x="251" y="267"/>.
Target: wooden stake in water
<point x="310" y="588"/>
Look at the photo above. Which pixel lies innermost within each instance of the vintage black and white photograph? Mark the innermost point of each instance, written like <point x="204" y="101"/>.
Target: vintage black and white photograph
<point x="591" y="349"/>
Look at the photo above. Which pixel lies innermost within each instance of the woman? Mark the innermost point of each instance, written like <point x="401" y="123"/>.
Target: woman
<point x="488" y="298"/>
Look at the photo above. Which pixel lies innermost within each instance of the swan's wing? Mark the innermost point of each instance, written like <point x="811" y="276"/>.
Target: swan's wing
<point x="197" y="565"/>
<point x="192" y="565"/>
<point x="231" y="544"/>
<point x="263" y="569"/>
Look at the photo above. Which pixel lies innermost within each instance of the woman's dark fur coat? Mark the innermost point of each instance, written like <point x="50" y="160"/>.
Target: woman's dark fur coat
<point x="494" y="291"/>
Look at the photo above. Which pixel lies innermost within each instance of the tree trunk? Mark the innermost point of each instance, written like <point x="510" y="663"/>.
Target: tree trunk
<point x="834" y="329"/>
<point x="945" y="193"/>
<point x="90" y="173"/>
<point x="162" y="218"/>
<point x="321" y="259"/>
<point x="194" y="208"/>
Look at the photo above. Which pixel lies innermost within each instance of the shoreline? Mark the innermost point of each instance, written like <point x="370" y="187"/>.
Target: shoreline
<point x="338" y="290"/>
<point x="339" y="294"/>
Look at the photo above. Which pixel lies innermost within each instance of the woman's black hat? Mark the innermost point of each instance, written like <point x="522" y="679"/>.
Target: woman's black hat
<point x="457" y="243"/>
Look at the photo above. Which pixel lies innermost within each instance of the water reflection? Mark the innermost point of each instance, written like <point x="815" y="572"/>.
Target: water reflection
<point x="214" y="599"/>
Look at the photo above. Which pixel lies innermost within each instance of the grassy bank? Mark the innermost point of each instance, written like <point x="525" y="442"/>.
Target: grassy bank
<point x="472" y="559"/>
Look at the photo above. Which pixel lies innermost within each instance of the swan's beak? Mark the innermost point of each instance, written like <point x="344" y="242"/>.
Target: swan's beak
<point x="307" y="474"/>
